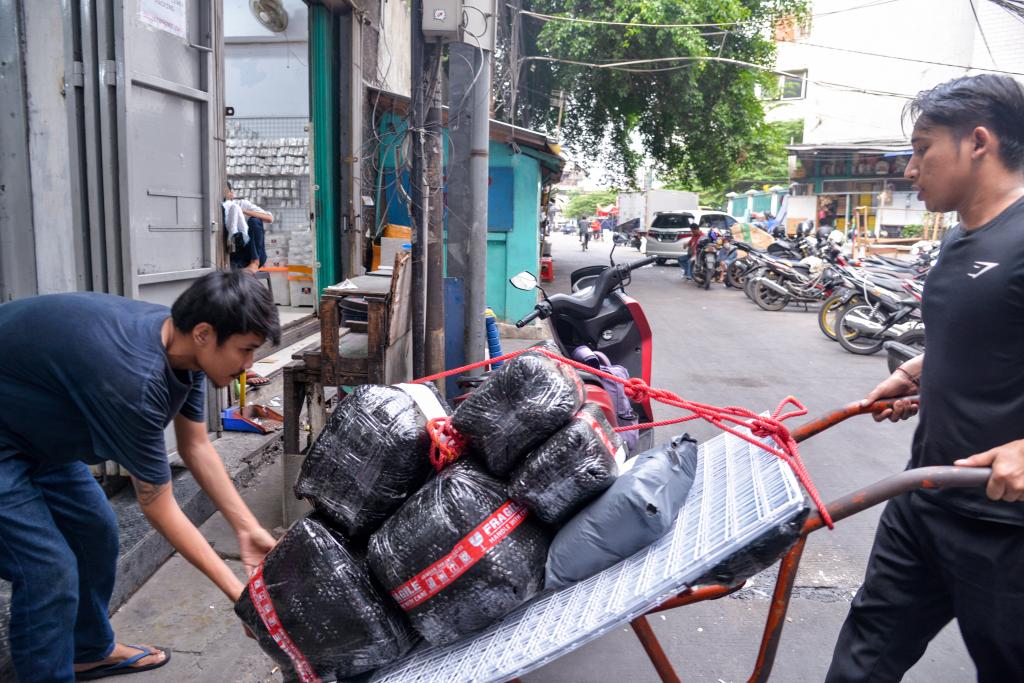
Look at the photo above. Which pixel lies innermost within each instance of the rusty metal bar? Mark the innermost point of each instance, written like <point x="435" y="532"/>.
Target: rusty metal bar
<point x="643" y="631"/>
<point x="908" y="480"/>
<point x="820" y="424"/>
<point x="697" y="595"/>
<point x="858" y="501"/>
<point x="777" y="613"/>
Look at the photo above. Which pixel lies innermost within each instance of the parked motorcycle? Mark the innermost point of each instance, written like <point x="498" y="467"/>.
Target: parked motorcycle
<point x="600" y="316"/>
<point x="705" y="261"/>
<point x="864" y="328"/>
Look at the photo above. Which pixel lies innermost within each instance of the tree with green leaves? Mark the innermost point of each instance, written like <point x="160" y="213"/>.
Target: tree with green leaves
<point x="684" y="96"/>
<point x="586" y="203"/>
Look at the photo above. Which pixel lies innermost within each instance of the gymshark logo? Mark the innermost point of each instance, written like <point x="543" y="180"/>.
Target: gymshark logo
<point x="982" y="268"/>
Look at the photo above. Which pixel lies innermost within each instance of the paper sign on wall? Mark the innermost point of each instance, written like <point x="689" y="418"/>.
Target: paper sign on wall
<point x="166" y="15"/>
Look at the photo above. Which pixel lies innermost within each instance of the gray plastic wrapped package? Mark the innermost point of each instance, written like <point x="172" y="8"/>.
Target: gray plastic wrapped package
<point x="372" y="454"/>
<point x="327" y="605"/>
<point x="638" y="509"/>
<point x="570" y="469"/>
<point x="459" y="554"/>
<point x="523" y="403"/>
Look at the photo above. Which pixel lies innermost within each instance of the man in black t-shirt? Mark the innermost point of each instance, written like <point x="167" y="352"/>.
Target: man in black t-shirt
<point x="89" y="377"/>
<point x="958" y="553"/>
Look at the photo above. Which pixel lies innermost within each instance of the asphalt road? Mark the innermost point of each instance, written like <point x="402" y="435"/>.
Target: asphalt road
<point x="717" y="347"/>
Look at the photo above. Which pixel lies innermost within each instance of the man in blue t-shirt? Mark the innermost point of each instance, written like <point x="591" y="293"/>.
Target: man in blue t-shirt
<point x="957" y="553"/>
<point x="90" y="377"/>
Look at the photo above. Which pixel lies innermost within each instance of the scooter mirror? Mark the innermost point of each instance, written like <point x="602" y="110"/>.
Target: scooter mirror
<point x="619" y="238"/>
<point x="525" y="281"/>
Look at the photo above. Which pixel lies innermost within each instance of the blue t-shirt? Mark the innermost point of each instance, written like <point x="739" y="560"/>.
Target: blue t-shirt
<point x="86" y="377"/>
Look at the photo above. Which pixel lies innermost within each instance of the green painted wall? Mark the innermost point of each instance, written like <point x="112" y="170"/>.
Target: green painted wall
<point x="512" y="252"/>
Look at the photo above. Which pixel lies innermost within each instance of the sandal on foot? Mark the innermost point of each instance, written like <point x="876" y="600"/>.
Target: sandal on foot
<point x="125" y="666"/>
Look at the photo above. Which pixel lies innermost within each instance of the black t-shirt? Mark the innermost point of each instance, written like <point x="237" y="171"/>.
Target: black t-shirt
<point x="85" y="377"/>
<point x="972" y="385"/>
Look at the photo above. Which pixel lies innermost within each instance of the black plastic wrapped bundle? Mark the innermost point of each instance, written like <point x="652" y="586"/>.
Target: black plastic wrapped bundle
<point x="570" y="469"/>
<point x="327" y="604"/>
<point x="638" y="509"/>
<point x="523" y="403"/>
<point x="459" y="554"/>
<point x="372" y="454"/>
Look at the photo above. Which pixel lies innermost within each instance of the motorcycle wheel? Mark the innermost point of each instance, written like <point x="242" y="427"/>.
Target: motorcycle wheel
<point x="915" y="338"/>
<point x="768" y="299"/>
<point x="698" y="276"/>
<point x="828" y="314"/>
<point x="748" y="285"/>
<point x="854" y="341"/>
<point x="735" y="274"/>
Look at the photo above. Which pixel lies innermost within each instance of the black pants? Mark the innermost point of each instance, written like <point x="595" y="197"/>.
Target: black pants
<point x="255" y="250"/>
<point x="930" y="565"/>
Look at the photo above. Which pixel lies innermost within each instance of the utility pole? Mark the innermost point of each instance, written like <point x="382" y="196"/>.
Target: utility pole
<point x="417" y="178"/>
<point x="435" y="230"/>
<point x="469" y="82"/>
<point x="561" y="108"/>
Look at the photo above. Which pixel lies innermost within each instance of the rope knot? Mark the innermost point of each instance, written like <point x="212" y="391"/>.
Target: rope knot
<point x="446" y="444"/>
<point x="637" y="390"/>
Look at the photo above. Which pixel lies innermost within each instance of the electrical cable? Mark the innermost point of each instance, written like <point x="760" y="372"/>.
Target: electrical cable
<point x="904" y="59"/>
<point x="738" y="22"/>
<point x="626" y="66"/>
<point x="984" y="39"/>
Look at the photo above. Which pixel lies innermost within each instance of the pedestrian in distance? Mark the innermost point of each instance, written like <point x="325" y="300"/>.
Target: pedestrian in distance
<point x="584" y="234"/>
<point x="957" y="553"/>
<point x="90" y="377"/>
<point x="686" y="258"/>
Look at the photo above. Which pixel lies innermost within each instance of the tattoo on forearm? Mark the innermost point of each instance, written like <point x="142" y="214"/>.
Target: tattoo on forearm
<point x="146" y="493"/>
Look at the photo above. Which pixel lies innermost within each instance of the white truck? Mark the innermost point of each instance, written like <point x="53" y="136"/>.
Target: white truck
<point x="644" y="205"/>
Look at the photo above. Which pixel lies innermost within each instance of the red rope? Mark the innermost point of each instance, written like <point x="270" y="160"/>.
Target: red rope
<point x="447" y="445"/>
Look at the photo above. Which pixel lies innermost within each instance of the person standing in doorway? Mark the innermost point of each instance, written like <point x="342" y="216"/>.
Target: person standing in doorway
<point x="957" y="553"/>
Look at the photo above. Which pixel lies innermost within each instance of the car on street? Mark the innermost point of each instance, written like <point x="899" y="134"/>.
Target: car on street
<point x="668" y="236"/>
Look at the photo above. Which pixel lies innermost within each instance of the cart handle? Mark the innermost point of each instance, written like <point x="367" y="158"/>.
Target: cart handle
<point x="935" y="477"/>
<point x="820" y="424"/>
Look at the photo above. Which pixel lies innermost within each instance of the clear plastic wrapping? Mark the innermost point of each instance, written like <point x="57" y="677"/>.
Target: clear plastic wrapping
<point x="459" y="554"/>
<point x="570" y="469"/>
<point x="372" y="454"/>
<point x="637" y="510"/>
<point x="327" y="604"/>
<point x="525" y="401"/>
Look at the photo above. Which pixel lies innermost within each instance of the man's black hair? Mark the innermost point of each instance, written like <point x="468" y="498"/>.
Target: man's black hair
<point x="232" y="302"/>
<point x="995" y="102"/>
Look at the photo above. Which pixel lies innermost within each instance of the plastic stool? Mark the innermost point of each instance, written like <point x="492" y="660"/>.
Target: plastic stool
<point x="547" y="269"/>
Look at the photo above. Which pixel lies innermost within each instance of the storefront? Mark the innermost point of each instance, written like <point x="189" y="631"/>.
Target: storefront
<point x="854" y="182"/>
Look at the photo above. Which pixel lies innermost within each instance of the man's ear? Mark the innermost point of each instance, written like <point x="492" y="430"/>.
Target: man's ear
<point x="203" y="334"/>
<point x="982" y="142"/>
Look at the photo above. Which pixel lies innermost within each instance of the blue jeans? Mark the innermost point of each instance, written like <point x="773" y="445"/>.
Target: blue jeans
<point x="58" y="547"/>
<point x="686" y="263"/>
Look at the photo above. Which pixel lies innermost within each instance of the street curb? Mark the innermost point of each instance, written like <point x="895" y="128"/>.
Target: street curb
<point x="536" y="331"/>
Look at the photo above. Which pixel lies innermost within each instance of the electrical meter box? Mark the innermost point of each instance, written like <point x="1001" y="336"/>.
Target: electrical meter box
<point x="442" y="19"/>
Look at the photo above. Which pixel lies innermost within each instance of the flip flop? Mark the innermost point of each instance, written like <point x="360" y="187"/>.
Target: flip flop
<point x="256" y="381"/>
<point x="125" y="666"/>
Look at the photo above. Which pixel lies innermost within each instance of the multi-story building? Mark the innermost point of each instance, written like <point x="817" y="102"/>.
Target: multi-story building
<point x="849" y="71"/>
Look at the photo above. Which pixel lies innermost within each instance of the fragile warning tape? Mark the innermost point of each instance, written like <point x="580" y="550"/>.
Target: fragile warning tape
<point x="268" y="615"/>
<point x="467" y="552"/>
<point x="596" y="426"/>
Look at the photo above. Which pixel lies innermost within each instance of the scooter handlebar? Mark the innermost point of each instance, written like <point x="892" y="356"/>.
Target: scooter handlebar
<point x="528" y="318"/>
<point x="641" y="263"/>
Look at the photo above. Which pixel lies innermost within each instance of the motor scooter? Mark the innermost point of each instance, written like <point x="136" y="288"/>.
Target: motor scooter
<point x="600" y="316"/>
